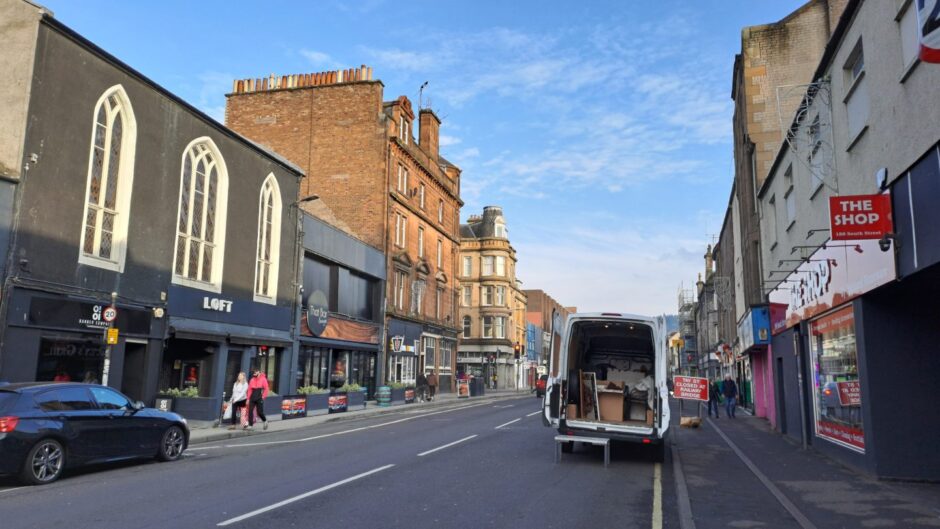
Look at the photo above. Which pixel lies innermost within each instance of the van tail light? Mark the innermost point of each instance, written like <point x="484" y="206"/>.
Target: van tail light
<point x="8" y="424"/>
<point x="647" y="441"/>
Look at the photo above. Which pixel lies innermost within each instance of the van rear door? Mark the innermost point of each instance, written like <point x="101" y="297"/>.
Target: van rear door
<point x="551" y="405"/>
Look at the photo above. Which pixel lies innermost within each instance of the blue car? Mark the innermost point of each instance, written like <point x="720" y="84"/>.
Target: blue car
<point x="47" y="427"/>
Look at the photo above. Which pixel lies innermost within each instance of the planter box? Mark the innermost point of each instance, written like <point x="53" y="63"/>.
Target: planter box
<point x="318" y="404"/>
<point x="357" y="399"/>
<point x="398" y="395"/>
<point x="200" y="408"/>
<point x="272" y="407"/>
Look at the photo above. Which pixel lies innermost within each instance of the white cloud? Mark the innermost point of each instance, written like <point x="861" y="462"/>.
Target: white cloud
<point x="446" y="141"/>
<point x="318" y="58"/>
<point x="396" y="59"/>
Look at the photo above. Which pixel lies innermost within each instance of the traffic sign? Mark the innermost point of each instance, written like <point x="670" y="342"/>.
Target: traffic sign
<point x="112" y="336"/>
<point x="690" y="388"/>
<point x="110" y="314"/>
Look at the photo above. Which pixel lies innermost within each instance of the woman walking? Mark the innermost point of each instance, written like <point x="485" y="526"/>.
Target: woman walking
<point x="239" y="399"/>
<point x="257" y="391"/>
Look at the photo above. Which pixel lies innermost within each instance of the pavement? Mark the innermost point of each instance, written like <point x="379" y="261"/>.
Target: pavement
<point x="740" y="473"/>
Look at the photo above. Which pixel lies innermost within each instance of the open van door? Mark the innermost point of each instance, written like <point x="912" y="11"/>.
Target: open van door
<point x="662" y="375"/>
<point x="552" y="403"/>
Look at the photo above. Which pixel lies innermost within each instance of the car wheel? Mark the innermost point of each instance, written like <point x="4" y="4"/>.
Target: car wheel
<point x="171" y="444"/>
<point x="567" y="447"/>
<point x="44" y="463"/>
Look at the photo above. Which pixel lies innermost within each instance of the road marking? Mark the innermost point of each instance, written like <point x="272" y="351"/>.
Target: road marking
<point x="448" y="445"/>
<point x="344" y="432"/>
<point x="508" y="423"/>
<point x="682" y="492"/>
<point x="301" y="497"/>
<point x="657" y="497"/>
<point x="534" y="413"/>
<point x="504" y="406"/>
<point x="11" y="490"/>
<point x="797" y="515"/>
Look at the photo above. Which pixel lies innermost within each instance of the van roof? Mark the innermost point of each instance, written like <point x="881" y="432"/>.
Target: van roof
<point x="611" y="315"/>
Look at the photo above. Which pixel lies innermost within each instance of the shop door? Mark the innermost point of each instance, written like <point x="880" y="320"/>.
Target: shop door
<point x="233" y="366"/>
<point x="781" y="398"/>
<point x="132" y="383"/>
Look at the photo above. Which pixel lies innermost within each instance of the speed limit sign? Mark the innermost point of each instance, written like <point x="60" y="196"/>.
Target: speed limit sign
<point x="110" y="314"/>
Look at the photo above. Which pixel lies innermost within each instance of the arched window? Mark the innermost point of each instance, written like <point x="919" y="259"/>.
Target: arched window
<point x="200" y="237"/>
<point x="269" y="241"/>
<point x="110" y="180"/>
<point x="466" y="326"/>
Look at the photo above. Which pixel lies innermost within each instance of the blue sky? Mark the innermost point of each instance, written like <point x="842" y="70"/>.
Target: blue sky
<point x="603" y="128"/>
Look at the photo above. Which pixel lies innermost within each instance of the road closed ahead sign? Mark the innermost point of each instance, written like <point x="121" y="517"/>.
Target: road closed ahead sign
<point x="690" y="388"/>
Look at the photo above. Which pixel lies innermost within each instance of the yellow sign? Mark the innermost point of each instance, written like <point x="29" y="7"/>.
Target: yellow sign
<point x="112" y="336"/>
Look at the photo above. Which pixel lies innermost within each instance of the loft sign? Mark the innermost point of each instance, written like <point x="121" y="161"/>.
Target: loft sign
<point x="859" y="217"/>
<point x="216" y="304"/>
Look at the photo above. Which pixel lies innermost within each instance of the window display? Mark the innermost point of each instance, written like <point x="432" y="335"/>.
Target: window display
<point x="69" y="360"/>
<point x="837" y="391"/>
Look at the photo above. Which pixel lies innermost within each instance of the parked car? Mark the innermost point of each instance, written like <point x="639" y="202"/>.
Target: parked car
<point x="46" y="427"/>
<point x="540" y="386"/>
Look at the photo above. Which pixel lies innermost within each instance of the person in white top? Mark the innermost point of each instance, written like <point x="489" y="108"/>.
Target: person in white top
<point x="239" y="398"/>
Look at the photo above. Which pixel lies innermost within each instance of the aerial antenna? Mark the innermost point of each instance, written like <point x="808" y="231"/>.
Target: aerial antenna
<point x="420" y="94"/>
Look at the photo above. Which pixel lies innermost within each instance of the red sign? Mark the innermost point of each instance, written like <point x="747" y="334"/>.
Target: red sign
<point x="928" y="20"/>
<point x="859" y="217"/>
<point x="848" y="435"/>
<point x="850" y="393"/>
<point x="690" y="388"/>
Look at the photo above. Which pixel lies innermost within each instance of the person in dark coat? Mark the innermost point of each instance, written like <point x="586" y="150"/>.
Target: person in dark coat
<point x="714" y="396"/>
<point x="730" y="391"/>
<point x="422" y="383"/>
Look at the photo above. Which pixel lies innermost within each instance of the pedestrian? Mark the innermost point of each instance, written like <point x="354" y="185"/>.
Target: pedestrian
<point x="432" y="385"/>
<point x="257" y="391"/>
<point x="714" y="396"/>
<point x="422" y="383"/>
<point x="90" y="378"/>
<point x="730" y="390"/>
<point x="239" y="399"/>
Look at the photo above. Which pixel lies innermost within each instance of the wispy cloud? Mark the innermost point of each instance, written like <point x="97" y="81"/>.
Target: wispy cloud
<point x="319" y="58"/>
<point x="447" y="141"/>
<point x="211" y="93"/>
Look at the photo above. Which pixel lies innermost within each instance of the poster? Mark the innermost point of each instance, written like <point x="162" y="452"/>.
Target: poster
<point x="409" y="395"/>
<point x="463" y="389"/>
<point x="338" y="402"/>
<point x="294" y="407"/>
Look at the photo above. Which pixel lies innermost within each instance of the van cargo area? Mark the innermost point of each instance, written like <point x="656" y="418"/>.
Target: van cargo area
<point x="611" y="377"/>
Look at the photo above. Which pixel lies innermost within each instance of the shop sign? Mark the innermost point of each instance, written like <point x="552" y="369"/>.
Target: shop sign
<point x="318" y="312"/>
<point x="754" y="328"/>
<point x="294" y="407"/>
<point x="928" y="20"/>
<point x="690" y="388"/>
<point x="778" y="317"/>
<point x="859" y="217"/>
<point x="848" y="435"/>
<point x="216" y="304"/>
<point x="338" y="402"/>
<point x="832" y="276"/>
<point x="71" y="314"/>
<point x="850" y="393"/>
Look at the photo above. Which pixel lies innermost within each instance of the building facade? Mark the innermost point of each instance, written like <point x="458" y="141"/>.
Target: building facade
<point x="130" y="198"/>
<point x="376" y="182"/>
<point x="540" y="307"/>
<point x="492" y="313"/>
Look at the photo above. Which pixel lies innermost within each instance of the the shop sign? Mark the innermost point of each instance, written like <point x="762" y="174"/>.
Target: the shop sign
<point x="754" y="328"/>
<point x="928" y="20"/>
<point x="832" y="276"/>
<point x="859" y="217"/>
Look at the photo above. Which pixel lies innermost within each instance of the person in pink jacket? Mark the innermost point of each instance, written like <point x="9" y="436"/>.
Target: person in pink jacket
<point x="257" y="391"/>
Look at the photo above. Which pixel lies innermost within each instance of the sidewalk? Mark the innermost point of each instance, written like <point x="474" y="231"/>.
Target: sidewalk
<point x="206" y="431"/>
<point x="821" y="493"/>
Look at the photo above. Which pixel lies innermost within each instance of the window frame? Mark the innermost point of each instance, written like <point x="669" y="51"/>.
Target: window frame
<point x="275" y="250"/>
<point x="466" y="295"/>
<point x="421" y="242"/>
<point x="421" y="193"/>
<point x="483" y="265"/>
<point x="467" y="266"/>
<point x="440" y="253"/>
<point x="500" y="266"/>
<point x="440" y="211"/>
<point x="214" y="285"/>
<point x="467" y="326"/>
<point x="125" y="182"/>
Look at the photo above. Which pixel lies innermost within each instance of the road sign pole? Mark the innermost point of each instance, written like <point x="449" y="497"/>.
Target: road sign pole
<point x="106" y="369"/>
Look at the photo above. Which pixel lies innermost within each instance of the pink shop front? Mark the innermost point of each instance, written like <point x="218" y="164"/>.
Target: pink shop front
<point x="755" y="344"/>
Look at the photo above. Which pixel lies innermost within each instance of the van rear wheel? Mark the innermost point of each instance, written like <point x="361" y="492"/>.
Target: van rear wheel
<point x="567" y="447"/>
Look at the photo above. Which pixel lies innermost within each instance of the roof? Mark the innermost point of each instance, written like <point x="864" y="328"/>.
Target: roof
<point x="466" y="232"/>
<point x="52" y="21"/>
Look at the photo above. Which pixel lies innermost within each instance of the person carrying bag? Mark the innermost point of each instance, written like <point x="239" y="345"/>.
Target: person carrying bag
<point x="238" y="402"/>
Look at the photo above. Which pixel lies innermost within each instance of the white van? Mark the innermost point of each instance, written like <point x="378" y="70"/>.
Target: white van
<point x="607" y="378"/>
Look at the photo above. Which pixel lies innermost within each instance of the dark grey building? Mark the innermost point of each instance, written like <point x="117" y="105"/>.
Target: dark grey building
<point x="127" y="189"/>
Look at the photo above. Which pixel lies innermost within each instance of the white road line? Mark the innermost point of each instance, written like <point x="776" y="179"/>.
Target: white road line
<point x="448" y="445"/>
<point x="323" y="436"/>
<point x="657" y="497"/>
<point x="534" y="413"/>
<point x="508" y="423"/>
<point x="11" y="490"/>
<point x="504" y="406"/>
<point x="302" y="496"/>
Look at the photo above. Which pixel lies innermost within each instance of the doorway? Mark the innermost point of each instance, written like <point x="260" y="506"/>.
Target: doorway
<point x="132" y="383"/>
<point x="781" y="398"/>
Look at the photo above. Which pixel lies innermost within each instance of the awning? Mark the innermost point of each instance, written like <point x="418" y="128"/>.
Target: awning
<point x="199" y="336"/>
<point x="259" y="340"/>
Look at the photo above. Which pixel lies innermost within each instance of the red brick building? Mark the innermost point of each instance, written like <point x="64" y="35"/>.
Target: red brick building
<point x="379" y="184"/>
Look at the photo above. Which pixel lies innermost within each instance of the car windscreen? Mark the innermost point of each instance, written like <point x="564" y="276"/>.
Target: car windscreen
<point x="7" y="401"/>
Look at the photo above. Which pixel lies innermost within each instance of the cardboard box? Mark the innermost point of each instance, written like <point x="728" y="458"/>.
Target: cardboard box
<point x="649" y="417"/>
<point x="637" y="410"/>
<point x="611" y="405"/>
<point x="572" y="411"/>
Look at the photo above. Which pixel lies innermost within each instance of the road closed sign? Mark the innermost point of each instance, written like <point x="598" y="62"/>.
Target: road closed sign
<point x="859" y="217"/>
<point x="690" y="388"/>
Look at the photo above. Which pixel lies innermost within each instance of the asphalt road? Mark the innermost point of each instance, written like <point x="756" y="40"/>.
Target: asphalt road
<point x="471" y="465"/>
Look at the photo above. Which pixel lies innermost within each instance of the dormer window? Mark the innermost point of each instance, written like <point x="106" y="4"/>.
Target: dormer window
<point x="500" y="230"/>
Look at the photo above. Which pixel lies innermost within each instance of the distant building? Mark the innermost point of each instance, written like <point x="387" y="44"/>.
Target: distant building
<point x="539" y="310"/>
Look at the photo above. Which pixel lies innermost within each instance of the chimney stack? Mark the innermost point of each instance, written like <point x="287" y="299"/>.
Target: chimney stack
<point x="709" y="263"/>
<point x="430" y="133"/>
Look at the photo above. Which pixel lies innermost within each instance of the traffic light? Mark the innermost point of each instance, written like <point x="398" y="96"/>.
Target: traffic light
<point x="516" y="349"/>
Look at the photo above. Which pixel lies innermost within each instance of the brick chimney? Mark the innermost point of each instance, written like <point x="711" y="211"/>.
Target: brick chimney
<point x="430" y="133"/>
<point x="709" y="263"/>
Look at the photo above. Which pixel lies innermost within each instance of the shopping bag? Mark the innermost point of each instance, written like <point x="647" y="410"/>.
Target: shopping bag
<point x="226" y="411"/>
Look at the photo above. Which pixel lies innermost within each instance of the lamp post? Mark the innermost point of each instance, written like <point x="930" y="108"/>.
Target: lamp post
<point x="106" y="368"/>
<point x="299" y="277"/>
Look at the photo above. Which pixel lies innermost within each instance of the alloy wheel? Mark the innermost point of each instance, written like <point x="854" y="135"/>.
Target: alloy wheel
<point x="172" y="443"/>
<point x="47" y="462"/>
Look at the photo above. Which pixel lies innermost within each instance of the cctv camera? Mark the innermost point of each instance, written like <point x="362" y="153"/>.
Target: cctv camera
<point x="884" y="243"/>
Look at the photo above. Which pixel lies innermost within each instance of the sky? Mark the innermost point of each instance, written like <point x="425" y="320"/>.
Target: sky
<point x="602" y="128"/>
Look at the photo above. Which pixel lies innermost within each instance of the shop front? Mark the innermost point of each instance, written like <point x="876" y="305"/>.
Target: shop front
<point x="404" y="344"/>
<point x="756" y="366"/>
<point x="335" y="351"/>
<point x="62" y="338"/>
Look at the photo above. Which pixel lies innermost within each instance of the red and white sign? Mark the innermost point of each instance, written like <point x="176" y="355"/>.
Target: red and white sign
<point x="859" y="217"/>
<point x="109" y="314"/>
<point x="928" y="23"/>
<point x="850" y="393"/>
<point x="690" y="388"/>
<point x="846" y="435"/>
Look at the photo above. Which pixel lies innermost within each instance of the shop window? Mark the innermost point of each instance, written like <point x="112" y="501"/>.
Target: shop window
<point x="313" y="367"/>
<point x="446" y="352"/>
<point x="70" y="360"/>
<point x="837" y="390"/>
<point x="269" y="241"/>
<point x="109" y="182"/>
<point x="267" y="362"/>
<point x="356" y="295"/>
<point x="200" y="239"/>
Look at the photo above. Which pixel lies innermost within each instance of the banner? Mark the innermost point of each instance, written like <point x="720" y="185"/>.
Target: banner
<point x="928" y="22"/>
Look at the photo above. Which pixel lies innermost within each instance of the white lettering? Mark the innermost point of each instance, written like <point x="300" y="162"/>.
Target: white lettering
<point x="217" y="304"/>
